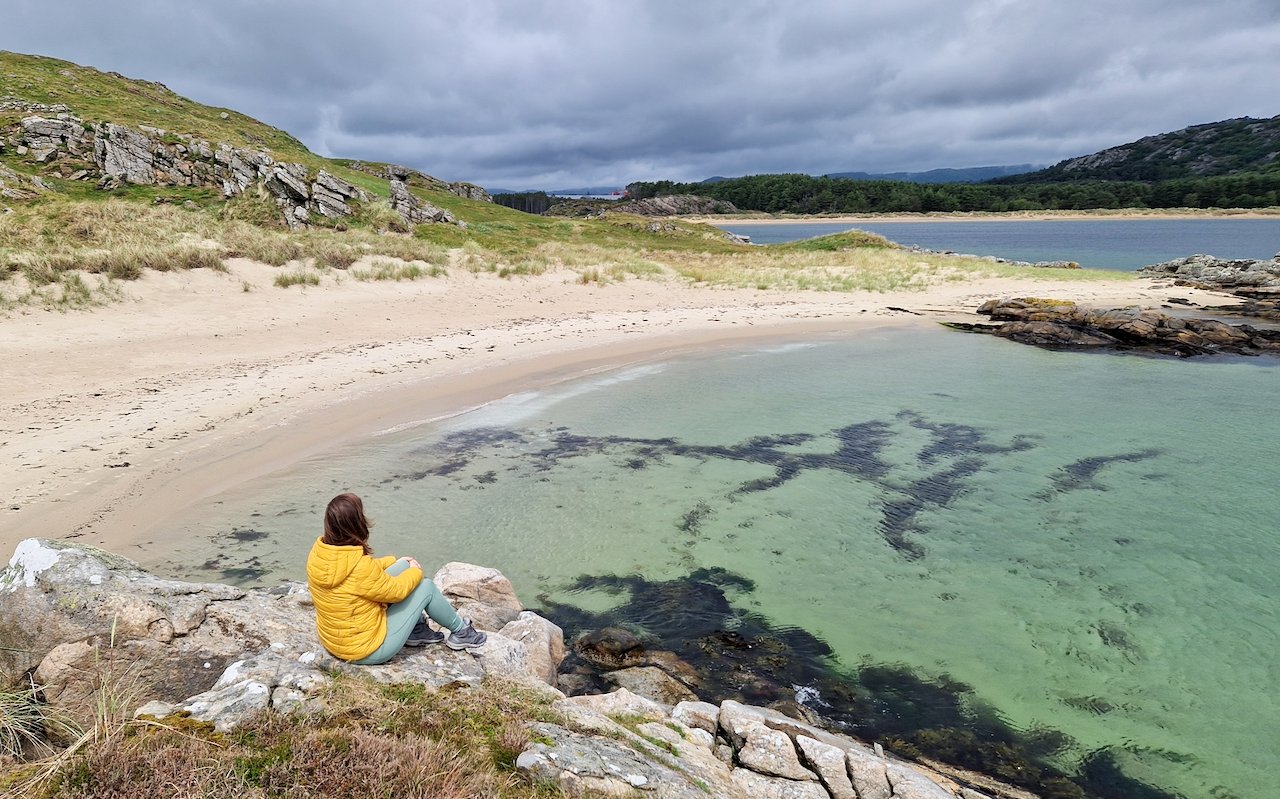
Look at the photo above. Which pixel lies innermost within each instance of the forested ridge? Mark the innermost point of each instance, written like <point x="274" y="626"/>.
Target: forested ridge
<point x="1229" y="164"/>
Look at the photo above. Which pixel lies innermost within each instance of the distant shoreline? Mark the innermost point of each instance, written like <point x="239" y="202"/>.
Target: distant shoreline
<point x="760" y="218"/>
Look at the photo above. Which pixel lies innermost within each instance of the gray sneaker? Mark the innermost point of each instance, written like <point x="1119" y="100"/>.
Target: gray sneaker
<point x="423" y="635"/>
<point x="466" y="638"/>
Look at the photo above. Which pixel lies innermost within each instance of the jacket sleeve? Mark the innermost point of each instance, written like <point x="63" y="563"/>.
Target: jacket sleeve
<point x="385" y="563"/>
<point x="378" y="586"/>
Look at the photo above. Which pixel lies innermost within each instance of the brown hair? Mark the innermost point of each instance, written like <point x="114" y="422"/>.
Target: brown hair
<point x="345" y="524"/>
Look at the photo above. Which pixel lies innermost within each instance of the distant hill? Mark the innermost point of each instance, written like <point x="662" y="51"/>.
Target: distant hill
<point x="973" y="174"/>
<point x="1230" y="147"/>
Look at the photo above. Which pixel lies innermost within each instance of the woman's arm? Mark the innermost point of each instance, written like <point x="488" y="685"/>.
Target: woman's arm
<point x="377" y="585"/>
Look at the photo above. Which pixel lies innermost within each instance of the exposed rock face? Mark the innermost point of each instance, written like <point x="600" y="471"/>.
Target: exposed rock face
<point x="220" y="652"/>
<point x="759" y="754"/>
<point x="413" y="210"/>
<point x="1065" y="325"/>
<point x="1205" y="271"/>
<point x="543" y="640"/>
<point x="117" y="155"/>
<point x="470" y="191"/>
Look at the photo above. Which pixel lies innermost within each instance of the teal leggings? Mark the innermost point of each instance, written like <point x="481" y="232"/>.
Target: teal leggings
<point x="403" y="615"/>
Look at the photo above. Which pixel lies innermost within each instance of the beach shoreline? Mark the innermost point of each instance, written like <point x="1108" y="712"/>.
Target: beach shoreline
<point x="1121" y="214"/>
<point x="120" y="417"/>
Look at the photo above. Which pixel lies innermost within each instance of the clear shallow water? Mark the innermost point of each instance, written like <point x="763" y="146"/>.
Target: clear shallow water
<point x="1120" y="244"/>
<point x="1086" y="540"/>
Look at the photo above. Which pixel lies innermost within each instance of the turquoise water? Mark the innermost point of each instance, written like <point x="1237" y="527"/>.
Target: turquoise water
<point x="1120" y="244"/>
<point x="1087" y="540"/>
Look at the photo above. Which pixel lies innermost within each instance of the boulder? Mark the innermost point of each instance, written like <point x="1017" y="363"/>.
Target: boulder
<point x="543" y="640"/>
<point x="610" y="648"/>
<point x="580" y="764"/>
<point x="758" y="786"/>
<point x="768" y="752"/>
<point x="480" y="594"/>
<point x="910" y="784"/>
<point x="829" y="763"/>
<point x="698" y="715"/>
<point x="283" y="182"/>
<point x="868" y="775"/>
<point x="618" y="703"/>
<point x="651" y="683"/>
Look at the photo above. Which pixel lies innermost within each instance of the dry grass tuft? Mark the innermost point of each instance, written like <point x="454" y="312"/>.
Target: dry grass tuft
<point x="370" y="741"/>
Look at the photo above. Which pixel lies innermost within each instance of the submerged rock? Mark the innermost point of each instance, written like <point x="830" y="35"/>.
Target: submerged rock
<point x="610" y="648"/>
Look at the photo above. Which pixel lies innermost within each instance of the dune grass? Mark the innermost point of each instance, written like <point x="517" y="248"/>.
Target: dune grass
<point x="369" y="740"/>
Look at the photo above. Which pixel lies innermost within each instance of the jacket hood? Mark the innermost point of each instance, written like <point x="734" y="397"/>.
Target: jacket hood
<point x="329" y="566"/>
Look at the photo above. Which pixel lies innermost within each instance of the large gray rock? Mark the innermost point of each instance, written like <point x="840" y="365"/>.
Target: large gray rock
<point x="868" y="775"/>
<point x="699" y="715"/>
<point x="769" y="752"/>
<point x="829" y="762"/>
<point x="910" y="784"/>
<point x="652" y="683"/>
<point x="479" y="593"/>
<point x="543" y="640"/>
<point x="283" y="182"/>
<point x="759" y="786"/>
<point x="621" y="703"/>
<point x="125" y="154"/>
<point x="578" y="764"/>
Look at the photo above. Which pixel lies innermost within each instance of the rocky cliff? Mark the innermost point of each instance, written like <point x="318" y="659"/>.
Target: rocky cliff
<point x="220" y="654"/>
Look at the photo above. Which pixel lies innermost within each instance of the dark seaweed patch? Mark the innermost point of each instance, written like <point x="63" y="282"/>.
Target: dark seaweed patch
<point x="694" y="518"/>
<point x="955" y="452"/>
<point x="737" y="654"/>
<point x="247" y="535"/>
<point x="1081" y="474"/>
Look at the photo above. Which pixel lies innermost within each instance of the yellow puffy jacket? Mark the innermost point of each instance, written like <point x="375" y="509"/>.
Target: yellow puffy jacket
<point x="351" y="591"/>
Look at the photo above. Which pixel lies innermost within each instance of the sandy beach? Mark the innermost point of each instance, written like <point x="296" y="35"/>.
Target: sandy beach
<point x="115" y="418"/>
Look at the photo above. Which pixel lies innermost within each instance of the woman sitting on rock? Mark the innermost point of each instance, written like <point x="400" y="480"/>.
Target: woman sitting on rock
<point x="368" y="608"/>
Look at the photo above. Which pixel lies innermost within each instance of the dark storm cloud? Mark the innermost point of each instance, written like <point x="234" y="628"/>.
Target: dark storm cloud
<point x="595" y="91"/>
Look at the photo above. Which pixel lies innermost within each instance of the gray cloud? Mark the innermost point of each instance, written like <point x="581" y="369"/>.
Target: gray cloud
<point x="553" y="93"/>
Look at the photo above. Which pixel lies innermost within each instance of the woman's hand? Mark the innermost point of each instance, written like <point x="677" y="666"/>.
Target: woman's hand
<point x="414" y="564"/>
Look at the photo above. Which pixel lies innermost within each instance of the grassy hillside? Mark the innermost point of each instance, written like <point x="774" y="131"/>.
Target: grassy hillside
<point x="1218" y="149"/>
<point x="67" y="237"/>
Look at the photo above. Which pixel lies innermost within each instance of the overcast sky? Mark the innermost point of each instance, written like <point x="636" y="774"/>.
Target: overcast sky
<point x="557" y="93"/>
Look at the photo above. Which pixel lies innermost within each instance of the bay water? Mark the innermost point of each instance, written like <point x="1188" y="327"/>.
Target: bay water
<point x="1087" y="541"/>
<point x="1120" y="244"/>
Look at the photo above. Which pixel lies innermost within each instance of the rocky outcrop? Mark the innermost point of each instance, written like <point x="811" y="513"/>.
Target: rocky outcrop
<point x="116" y="155"/>
<point x="67" y="613"/>
<point x="412" y="210"/>
<point x="1208" y="272"/>
<point x="619" y="744"/>
<point x="1064" y="325"/>
<point x="470" y="191"/>
<point x="73" y="616"/>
